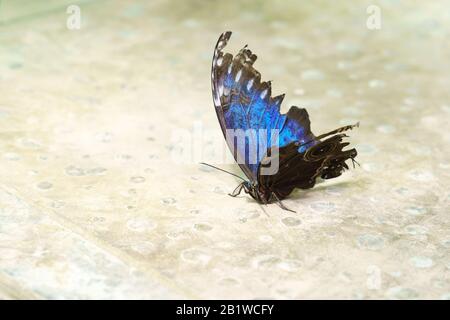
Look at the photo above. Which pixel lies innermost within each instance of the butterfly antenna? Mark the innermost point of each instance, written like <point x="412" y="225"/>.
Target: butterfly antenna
<point x="209" y="165"/>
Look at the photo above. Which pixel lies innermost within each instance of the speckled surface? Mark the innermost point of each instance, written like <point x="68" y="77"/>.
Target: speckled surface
<point x="93" y="204"/>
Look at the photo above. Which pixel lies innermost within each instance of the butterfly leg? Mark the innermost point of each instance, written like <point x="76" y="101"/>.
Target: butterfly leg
<point x="354" y="161"/>
<point x="237" y="191"/>
<point x="282" y="206"/>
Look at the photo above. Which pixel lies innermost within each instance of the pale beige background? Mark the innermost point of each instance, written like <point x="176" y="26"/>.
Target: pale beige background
<point x="92" y="204"/>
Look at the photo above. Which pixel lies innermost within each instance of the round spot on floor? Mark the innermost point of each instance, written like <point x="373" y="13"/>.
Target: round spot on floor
<point x="195" y="256"/>
<point x="144" y="247"/>
<point x="30" y="143"/>
<point x="277" y="24"/>
<point x="421" y="175"/>
<point x="416" y="211"/>
<point x="140" y="224"/>
<point x="352" y="111"/>
<point x="401" y="293"/>
<point x="137" y="179"/>
<point x="313" y="74"/>
<point x="248" y="215"/>
<point x="266" y="238"/>
<point x="415" y="229"/>
<point x="344" y="65"/>
<point x="291" y="221"/>
<point x="421" y="262"/>
<point x="386" y="128"/>
<point x="444" y="165"/>
<point x="44" y="185"/>
<point x="168" y="201"/>
<point x="334" y="93"/>
<point x="396" y="274"/>
<point x="97" y="219"/>
<point x="15" y="65"/>
<point x="192" y="23"/>
<point x="224" y="245"/>
<point x="348" y="48"/>
<point x="290" y="265"/>
<point x="57" y="204"/>
<point x="105" y="137"/>
<point x="265" y="262"/>
<point x="74" y="171"/>
<point x="409" y="101"/>
<point x="229" y="282"/>
<point x="178" y="235"/>
<point x="402" y="191"/>
<point x="366" y="148"/>
<point x="334" y="190"/>
<point x="371" y="166"/>
<point x="445" y="296"/>
<point x="124" y="156"/>
<point x="96" y="171"/>
<point x="299" y="91"/>
<point x="285" y="42"/>
<point x="218" y="190"/>
<point x="376" y="83"/>
<point x="446" y="243"/>
<point x="11" y="156"/>
<point x="202" y="227"/>
<point x="370" y="242"/>
<point x="323" y="206"/>
<point x="439" y="283"/>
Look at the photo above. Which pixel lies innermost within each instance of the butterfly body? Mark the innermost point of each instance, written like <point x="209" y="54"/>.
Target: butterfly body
<point x="247" y="111"/>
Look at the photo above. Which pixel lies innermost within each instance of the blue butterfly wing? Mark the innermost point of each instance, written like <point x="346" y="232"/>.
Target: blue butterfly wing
<point x="242" y="101"/>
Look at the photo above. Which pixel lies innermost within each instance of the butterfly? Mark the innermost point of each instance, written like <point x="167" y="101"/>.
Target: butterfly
<point x="261" y="138"/>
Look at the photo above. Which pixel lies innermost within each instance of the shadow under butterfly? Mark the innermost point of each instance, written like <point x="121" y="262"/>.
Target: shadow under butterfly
<point x="244" y="104"/>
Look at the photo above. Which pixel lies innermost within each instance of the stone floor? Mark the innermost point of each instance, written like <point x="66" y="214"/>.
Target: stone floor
<point x="94" y="204"/>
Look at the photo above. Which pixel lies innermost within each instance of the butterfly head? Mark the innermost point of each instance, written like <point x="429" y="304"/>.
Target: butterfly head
<point x="256" y="192"/>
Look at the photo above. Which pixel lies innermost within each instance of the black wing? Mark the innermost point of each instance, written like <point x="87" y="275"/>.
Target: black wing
<point x="326" y="159"/>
